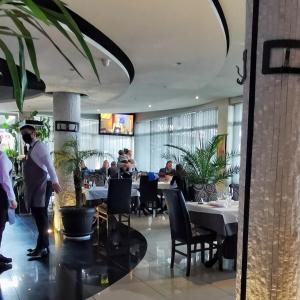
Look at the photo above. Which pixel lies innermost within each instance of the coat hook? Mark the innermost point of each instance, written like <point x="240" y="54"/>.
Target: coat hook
<point x="243" y="76"/>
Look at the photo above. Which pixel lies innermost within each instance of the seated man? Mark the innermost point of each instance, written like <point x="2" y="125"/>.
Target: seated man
<point x="104" y="169"/>
<point x="113" y="170"/>
<point x="167" y="170"/>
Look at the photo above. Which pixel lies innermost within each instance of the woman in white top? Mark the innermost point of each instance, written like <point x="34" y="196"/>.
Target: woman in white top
<point x="7" y="201"/>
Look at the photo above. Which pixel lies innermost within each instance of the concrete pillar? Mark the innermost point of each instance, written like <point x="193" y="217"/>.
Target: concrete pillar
<point x="223" y="111"/>
<point x="269" y="265"/>
<point x="66" y="107"/>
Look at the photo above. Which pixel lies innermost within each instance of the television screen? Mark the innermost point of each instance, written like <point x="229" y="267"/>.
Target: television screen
<point x="118" y="124"/>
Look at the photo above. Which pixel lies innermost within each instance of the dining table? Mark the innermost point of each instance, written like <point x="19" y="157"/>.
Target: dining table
<point x="220" y="217"/>
<point x="100" y="192"/>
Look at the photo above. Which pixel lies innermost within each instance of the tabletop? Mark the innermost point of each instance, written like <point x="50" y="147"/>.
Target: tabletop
<point x="100" y="192"/>
<point x="229" y="213"/>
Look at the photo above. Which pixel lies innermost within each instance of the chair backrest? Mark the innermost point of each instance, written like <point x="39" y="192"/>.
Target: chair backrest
<point x="180" y="223"/>
<point x="207" y="192"/>
<point x="148" y="189"/>
<point x="234" y="190"/>
<point x="119" y="196"/>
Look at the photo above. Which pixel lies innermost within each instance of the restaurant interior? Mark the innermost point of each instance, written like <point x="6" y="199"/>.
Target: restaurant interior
<point x="152" y="150"/>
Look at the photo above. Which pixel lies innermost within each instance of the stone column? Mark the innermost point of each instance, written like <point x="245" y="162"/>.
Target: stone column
<point x="66" y="107"/>
<point x="270" y="163"/>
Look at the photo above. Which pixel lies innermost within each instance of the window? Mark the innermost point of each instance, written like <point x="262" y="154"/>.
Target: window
<point x="188" y="130"/>
<point x="235" y="135"/>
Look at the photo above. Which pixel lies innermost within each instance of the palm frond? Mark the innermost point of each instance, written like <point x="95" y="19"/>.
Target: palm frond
<point x="203" y="165"/>
<point x="28" y="11"/>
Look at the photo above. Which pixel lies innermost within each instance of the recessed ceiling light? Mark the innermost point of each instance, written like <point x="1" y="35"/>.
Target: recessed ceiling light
<point x="197" y="97"/>
<point x="178" y="63"/>
<point x="98" y="110"/>
<point x="149" y="105"/>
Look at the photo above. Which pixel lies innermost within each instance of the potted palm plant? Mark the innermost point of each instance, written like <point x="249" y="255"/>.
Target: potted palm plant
<point x="77" y="220"/>
<point x="205" y="167"/>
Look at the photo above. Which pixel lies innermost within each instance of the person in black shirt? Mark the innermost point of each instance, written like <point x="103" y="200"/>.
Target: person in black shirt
<point x="167" y="170"/>
<point x="180" y="179"/>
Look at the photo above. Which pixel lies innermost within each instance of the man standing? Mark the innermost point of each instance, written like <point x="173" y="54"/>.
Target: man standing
<point x="40" y="179"/>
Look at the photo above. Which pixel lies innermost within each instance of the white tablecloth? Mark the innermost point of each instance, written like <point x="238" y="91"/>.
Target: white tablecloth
<point x="100" y="192"/>
<point x="230" y="214"/>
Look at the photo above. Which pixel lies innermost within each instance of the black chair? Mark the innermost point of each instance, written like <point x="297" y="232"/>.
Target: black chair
<point x="118" y="201"/>
<point x="234" y="191"/>
<point x="181" y="229"/>
<point x="148" y="194"/>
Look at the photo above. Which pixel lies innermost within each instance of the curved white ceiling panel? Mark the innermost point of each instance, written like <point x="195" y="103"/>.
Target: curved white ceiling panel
<point x="178" y="50"/>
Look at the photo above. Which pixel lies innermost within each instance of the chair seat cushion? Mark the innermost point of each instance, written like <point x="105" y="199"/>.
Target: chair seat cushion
<point x="201" y="234"/>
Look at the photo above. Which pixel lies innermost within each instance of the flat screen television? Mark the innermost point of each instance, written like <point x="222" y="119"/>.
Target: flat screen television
<point x="116" y="124"/>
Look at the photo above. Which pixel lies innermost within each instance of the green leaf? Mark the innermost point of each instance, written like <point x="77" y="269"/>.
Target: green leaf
<point x="42" y="31"/>
<point x="23" y="74"/>
<point x="55" y="19"/>
<point x="36" y="11"/>
<point x="74" y="28"/>
<point x="29" y="43"/>
<point x="14" y="74"/>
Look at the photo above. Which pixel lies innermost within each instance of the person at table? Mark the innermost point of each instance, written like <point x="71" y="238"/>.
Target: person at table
<point x="124" y="169"/>
<point x="84" y="171"/>
<point x="40" y="180"/>
<point x="179" y="180"/>
<point x="167" y="170"/>
<point x="7" y="202"/>
<point x="113" y="169"/>
<point x="104" y="169"/>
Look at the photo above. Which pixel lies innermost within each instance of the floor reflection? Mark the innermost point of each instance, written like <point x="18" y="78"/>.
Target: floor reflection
<point x="74" y="270"/>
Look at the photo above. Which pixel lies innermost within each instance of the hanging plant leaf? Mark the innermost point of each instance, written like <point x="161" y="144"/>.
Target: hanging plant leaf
<point x="14" y="74"/>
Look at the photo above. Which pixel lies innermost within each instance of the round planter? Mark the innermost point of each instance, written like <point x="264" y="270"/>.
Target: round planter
<point x="206" y="192"/>
<point x="77" y="222"/>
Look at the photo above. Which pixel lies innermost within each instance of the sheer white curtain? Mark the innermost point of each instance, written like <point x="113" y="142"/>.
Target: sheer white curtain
<point x="235" y="135"/>
<point x="188" y="130"/>
<point x="142" y="142"/>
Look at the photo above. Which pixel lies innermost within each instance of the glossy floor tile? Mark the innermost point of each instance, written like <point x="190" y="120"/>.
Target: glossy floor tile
<point x="139" y="269"/>
<point x="152" y="278"/>
<point x="74" y="270"/>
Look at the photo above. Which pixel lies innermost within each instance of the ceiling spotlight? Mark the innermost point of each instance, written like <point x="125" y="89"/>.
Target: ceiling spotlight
<point x="197" y="97"/>
<point x="98" y="110"/>
<point x="149" y="105"/>
<point x="105" y="62"/>
<point x="178" y="63"/>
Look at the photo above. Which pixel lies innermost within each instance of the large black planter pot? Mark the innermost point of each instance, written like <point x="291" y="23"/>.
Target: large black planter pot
<point x="206" y="192"/>
<point x="77" y="222"/>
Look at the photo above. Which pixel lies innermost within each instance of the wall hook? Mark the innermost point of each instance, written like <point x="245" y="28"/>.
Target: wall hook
<point x="243" y="76"/>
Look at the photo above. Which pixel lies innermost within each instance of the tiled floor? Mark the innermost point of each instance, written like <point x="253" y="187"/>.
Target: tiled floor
<point x="73" y="270"/>
<point x="153" y="279"/>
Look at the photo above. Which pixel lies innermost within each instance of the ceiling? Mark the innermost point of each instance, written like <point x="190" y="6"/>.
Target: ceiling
<point x="178" y="52"/>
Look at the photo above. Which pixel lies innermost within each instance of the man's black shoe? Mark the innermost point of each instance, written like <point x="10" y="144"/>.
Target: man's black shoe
<point x="5" y="260"/>
<point x="4" y="267"/>
<point x="37" y="254"/>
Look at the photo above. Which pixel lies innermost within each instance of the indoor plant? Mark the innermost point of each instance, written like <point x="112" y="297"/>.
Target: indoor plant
<point x="205" y="167"/>
<point x="26" y="14"/>
<point x="77" y="220"/>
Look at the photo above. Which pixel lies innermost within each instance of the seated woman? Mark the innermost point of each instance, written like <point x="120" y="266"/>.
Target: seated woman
<point x="180" y="178"/>
<point x="84" y="171"/>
